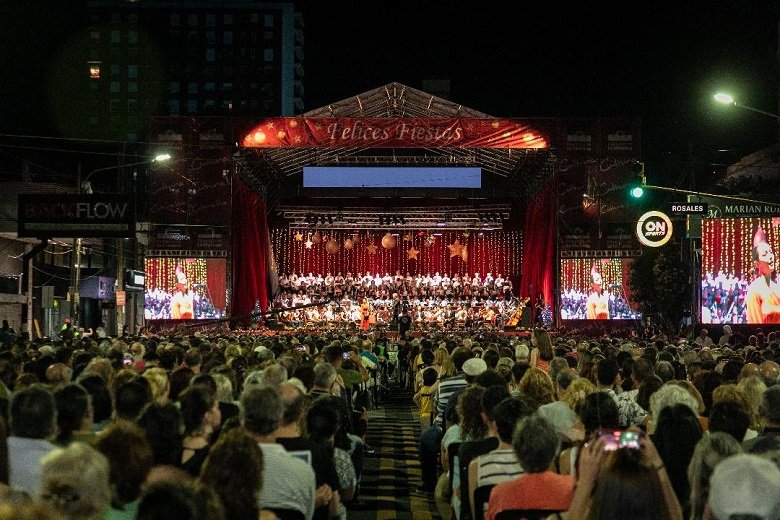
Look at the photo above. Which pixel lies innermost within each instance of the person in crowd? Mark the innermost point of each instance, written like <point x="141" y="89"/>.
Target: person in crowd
<point x="162" y="425"/>
<point x="130" y="460"/>
<point x="33" y="422"/>
<point x="130" y="398"/>
<point x="200" y="411"/>
<point x="100" y="397"/>
<point x="627" y="482"/>
<point x="74" y="414"/>
<point x="542" y="353"/>
<point x="709" y="451"/>
<point x="234" y="469"/>
<point x="608" y="377"/>
<point x="744" y="486"/>
<point x="431" y="438"/>
<point x="500" y="464"/>
<point x="318" y="452"/>
<point x="536" y="446"/>
<point x="75" y="482"/>
<point x="289" y="481"/>
<point x="770" y="413"/>
<point x="424" y="396"/>
<point x="181" y="500"/>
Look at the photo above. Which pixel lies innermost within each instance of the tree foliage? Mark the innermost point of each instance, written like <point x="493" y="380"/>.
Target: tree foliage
<point x="661" y="286"/>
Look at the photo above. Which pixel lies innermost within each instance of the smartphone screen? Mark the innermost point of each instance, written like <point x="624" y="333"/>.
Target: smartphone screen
<point x="615" y="439"/>
<point x="346" y="355"/>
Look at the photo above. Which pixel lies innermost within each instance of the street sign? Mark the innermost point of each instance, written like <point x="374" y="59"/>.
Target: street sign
<point x="687" y="208"/>
<point x="120" y="297"/>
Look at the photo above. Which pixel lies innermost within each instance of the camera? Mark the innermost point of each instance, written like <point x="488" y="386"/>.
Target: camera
<point x="616" y="439"/>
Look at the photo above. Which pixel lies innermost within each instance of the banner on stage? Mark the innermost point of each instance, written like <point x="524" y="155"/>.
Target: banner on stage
<point x="383" y="132"/>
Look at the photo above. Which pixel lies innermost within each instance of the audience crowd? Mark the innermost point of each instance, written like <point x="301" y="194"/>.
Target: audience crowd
<point x="259" y="426"/>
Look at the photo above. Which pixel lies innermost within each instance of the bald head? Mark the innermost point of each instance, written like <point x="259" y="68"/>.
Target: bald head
<point x="770" y="373"/>
<point x="750" y="369"/>
<point x="293" y="401"/>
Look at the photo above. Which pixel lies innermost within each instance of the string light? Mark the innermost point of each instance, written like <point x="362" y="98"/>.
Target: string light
<point x="492" y="251"/>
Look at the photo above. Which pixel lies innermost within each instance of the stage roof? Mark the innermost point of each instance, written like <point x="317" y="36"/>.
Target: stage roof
<point x="512" y="167"/>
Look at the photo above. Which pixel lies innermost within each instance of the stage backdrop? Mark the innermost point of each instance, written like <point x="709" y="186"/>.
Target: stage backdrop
<point x="451" y="252"/>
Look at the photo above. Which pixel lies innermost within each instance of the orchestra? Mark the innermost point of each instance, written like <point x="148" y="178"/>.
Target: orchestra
<point x="376" y="300"/>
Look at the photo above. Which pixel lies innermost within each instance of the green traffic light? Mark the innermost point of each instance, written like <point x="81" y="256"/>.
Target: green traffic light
<point x="637" y="192"/>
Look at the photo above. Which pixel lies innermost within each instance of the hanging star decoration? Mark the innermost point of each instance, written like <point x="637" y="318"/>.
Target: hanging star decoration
<point x="408" y="237"/>
<point x="299" y="236"/>
<point x="371" y="248"/>
<point x="456" y="248"/>
<point x="412" y="254"/>
<point x="309" y="243"/>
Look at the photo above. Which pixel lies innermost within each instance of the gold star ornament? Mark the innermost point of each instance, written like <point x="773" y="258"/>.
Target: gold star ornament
<point x="455" y="248"/>
<point x="299" y="236"/>
<point x="412" y="254"/>
<point x="371" y="249"/>
<point x="408" y="237"/>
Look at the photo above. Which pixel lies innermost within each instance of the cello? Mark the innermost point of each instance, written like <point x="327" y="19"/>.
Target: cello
<point x="517" y="314"/>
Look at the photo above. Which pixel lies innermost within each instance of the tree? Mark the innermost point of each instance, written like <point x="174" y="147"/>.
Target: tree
<point x="661" y="286"/>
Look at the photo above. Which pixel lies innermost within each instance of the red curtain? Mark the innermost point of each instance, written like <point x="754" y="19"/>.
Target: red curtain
<point x="539" y="238"/>
<point x="216" y="276"/>
<point x="250" y="247"/>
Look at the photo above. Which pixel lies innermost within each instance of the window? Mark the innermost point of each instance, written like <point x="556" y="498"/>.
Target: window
<point x="132" y="87"/>
<point x="210" y="54"/>
<point x="209" y="87"/>
<point x="227" y="37"/>
<point x="132" y="37"/>
<point x="227" y="19"/>
<point x="173" y="87"/>
<point x="132" y="71"/>
<point x="268" y="55"/>
<point x="211" y="20"/>
<point x="173" y="107"/>
<point x="192" y="88"/>
<point x="114" y="87"/>
<point x="192" y="20"/>
<point x="113" y="106"/>
<point x="192" y="106"/>
<point x="175" y="20"/>
<point x="116" y="37"/>
<point x="94" y="35"/>
<point x="268" y="20"/>
<point x="94" y="69"/>
<point x="115" y="70"/>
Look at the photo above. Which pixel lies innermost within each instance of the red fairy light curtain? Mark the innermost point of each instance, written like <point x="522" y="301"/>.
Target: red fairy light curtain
<point x="451" y="252"/>
<point x="727" y="245"/>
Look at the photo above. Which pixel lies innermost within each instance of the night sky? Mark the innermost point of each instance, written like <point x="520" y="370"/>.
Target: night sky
<point x="657" y="60"/>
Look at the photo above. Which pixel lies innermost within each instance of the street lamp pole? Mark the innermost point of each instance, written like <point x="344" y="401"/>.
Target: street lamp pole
<point x="85" y="186"/>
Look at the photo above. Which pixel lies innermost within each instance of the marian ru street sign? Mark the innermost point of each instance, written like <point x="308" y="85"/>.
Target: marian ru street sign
<point x="74" y="216"/>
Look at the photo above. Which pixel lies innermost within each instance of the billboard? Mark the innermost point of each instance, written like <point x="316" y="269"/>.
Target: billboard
<point x="596" y="289"/>
<point x="73" y="216"/>
<point x="185" y="288"/>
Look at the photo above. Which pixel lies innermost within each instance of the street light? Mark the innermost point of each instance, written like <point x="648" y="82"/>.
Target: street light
<point x="727" y="99"/>
<point x="86" y="187"/>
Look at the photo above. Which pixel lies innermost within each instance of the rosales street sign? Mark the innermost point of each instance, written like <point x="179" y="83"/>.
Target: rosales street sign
<point x="688" y="208"/>
<point x="654" y="229"/>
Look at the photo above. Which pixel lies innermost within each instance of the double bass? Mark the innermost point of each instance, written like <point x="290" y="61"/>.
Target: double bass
<point x="515" y="318"/>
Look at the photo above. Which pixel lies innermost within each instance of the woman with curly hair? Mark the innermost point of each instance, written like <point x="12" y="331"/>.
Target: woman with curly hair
<point x="234" y="469"/>
<point x="537" y="385"/>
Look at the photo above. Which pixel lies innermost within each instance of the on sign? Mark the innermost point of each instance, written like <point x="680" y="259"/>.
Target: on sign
<point x="654" y="229"/>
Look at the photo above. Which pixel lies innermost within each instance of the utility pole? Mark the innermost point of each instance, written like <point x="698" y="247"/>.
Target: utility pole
<point x="75" y="270"/>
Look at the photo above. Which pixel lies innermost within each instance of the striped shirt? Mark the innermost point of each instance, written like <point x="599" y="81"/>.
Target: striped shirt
<point x="497" y="466"/>
<point x="288" y="481"/>
<point x="447" y="387"/>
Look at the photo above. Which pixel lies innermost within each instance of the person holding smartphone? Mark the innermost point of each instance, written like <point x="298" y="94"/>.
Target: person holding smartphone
<point x="623" y="479"/>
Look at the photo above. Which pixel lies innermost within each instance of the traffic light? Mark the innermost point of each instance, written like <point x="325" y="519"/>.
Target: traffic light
<point x="636" y="186"/>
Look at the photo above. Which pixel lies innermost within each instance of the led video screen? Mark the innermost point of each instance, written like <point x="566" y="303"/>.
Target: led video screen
<point x="596" y="289"/>
<point x="185" y="288"/>
<point x="738" y="277"/>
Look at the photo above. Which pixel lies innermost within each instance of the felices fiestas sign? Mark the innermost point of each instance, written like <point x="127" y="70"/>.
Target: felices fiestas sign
<point x="654" y="229"/>
<point x="383" y="132"/>
<point x="72" y="216"/>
